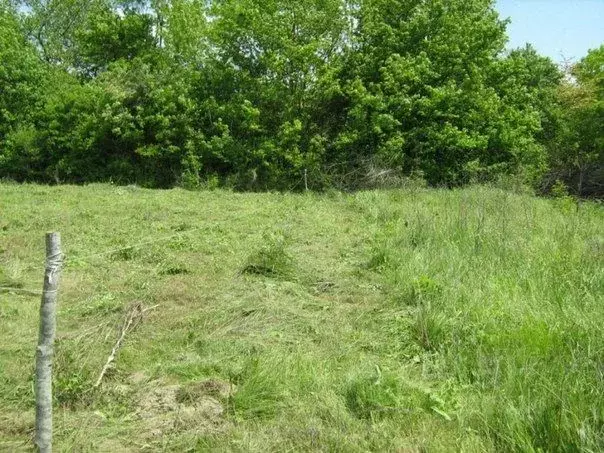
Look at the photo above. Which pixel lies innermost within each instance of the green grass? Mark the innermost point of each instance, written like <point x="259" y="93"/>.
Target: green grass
<point x="419" y="320"/>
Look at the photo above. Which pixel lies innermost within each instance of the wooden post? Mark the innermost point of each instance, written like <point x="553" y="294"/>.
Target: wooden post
<point x="46" y="338"/>
<point x="306" y="179"/>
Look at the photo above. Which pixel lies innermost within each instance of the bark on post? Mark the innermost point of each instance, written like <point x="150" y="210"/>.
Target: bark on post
<point x="46" y="338"/>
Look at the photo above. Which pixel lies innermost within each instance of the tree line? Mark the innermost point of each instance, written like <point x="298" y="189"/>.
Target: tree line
<point x="255" y="93"/>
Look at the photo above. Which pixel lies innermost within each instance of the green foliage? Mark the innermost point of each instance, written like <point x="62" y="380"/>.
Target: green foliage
<point x="423" y="95"/>
<point x="21" y="82"/>
<point x="260" y="93"/>
<point x="132" y="123"/>
<point x="559" y="189"/>
<point x="109" y="37"/>
<point x="577" y="153"/>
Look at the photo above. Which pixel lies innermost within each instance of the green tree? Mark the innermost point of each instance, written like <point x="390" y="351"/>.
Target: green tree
<point x="132" y="123"/>
<point x="578" y="156"/>
<point x="22" y="79"/>
<point x="273" y="56"/>
<point x="110" y="36"/>
<point x="52" y="25"/>
<point x="526" y="84"/>
<point x="419" y="91"/>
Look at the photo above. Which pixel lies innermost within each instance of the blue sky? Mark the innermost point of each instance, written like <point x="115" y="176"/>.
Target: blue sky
<point x="556" y="28"/>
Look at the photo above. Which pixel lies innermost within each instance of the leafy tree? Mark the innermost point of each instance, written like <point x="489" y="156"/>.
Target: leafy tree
<point x="274" y="55"/>
<point x="578" y="156"/>
<point x="186" y="30"/>
<point x="52" y="25"/>
<point x="132" y="123"/>
<point x="420" y="91"/>
<point x="111" y="36"/>
<point x="21" y="85"/>
<point x="526" y="85"/>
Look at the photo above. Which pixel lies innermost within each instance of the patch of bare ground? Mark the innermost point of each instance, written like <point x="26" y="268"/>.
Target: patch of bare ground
<point x="194" y="408"/>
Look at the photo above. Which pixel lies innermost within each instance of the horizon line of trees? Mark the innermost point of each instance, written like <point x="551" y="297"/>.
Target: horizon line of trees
<point x="255" y="93"/>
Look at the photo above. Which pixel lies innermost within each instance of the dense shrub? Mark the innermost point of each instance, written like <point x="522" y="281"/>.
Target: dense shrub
<point x="256" y="94"/>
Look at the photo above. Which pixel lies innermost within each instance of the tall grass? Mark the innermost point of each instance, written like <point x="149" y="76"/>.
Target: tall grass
<point x="506" y="296"/>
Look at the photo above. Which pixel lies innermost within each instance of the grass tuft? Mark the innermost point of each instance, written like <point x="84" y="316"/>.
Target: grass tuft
<point x="271" y="259"/>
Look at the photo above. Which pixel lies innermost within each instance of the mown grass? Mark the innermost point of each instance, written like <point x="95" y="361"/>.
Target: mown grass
<point x="418" y="320"/>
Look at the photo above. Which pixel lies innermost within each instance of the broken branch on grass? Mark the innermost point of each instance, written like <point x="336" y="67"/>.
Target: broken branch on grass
<point x="132" y="319"/>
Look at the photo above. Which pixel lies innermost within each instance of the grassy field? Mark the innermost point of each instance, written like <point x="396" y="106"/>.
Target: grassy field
<point x="409" y="321"/>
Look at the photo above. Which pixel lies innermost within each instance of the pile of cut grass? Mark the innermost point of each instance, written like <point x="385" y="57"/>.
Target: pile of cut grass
<point x="419" y="320"/>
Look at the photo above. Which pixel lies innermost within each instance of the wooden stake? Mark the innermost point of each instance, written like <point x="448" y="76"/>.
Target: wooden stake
<point x="306" y="179"/>
<point x="46" y="338"/>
